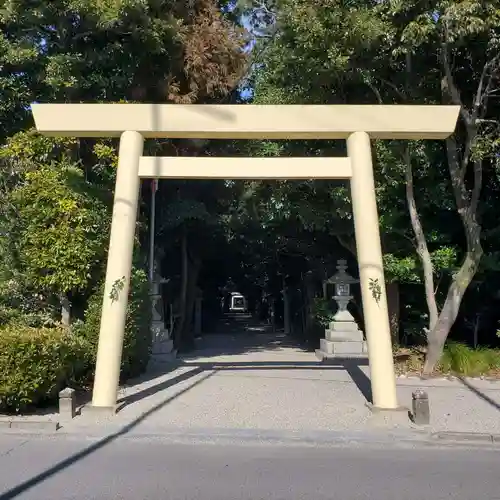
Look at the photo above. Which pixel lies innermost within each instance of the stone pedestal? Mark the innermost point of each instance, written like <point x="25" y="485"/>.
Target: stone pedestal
<point x="162" y="348"/>
<point x="343" y="339"/>
<point x="161" y="341"/>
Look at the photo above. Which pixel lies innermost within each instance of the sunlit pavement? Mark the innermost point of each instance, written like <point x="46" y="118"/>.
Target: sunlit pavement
<point x="263" y="381"/>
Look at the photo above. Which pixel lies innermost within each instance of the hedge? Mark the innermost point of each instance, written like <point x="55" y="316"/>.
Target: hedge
<point x="36" y="363"/>
<point x="137" y="340"/>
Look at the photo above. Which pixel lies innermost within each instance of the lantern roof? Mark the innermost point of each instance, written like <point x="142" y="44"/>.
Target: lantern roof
<point x="342" y="276"/>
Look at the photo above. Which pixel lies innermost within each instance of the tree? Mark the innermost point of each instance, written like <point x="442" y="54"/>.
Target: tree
<point x="55" y="223"/>
<point x="392" y="52"/>
<point x="94" y="51"/>
<point x="448" y="31"/>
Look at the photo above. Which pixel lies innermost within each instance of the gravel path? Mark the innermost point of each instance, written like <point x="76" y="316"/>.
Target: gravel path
<point x="259" y="380"/>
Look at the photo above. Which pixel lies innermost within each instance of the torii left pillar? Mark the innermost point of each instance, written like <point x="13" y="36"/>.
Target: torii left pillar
<point x="121" y="247"/>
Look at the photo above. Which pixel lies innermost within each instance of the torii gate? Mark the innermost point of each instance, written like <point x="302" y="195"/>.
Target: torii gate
<point x="356" y="124"/>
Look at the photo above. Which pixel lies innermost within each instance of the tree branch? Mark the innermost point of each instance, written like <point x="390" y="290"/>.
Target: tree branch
<point x="482" y="93"/>
<point x="422" y="249"/>
<point x="448" y="83"/>
<point x="394" y="87"/>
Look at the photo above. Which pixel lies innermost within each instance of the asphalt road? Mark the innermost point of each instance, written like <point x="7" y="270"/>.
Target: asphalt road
<point x="155" y="469"/>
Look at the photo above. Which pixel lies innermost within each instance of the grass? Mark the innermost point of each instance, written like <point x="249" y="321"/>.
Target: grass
<point x="463" y="360"/>
<point x="457" y="359"/>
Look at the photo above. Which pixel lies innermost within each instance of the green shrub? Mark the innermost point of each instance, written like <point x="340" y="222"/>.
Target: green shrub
<point x="461" y="359"/>
<point x="20" y="303"/>
<point x="322" y="312"/>
<point x="137" y="340"/>
<point x="36" y="363"/>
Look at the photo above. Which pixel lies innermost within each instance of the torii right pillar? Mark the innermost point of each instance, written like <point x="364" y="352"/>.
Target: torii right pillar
<point x="371" y="273"/>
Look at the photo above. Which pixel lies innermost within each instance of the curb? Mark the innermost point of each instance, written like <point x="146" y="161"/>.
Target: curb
<point x="255" y="436"/>
<point x="29" y="425"/>
<point x="469" y="437"/>
<point x="221" y="436"/>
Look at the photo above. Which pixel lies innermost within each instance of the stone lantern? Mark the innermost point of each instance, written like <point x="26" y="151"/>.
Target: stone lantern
<point x="342" y="281"/>
<point x="343" y="338"/>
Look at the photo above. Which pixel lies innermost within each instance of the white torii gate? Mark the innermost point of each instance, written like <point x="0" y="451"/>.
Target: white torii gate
<point x="355" y="124"/>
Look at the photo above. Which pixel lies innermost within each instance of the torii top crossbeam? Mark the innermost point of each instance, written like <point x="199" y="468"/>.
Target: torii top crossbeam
<point x="207" y="121"/>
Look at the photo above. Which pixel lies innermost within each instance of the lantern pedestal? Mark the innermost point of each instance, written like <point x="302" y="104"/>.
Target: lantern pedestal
<point x="162" y="346"/>
<point x="343" y="338"/>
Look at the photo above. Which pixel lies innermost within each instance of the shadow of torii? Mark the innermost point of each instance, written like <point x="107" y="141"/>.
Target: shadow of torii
<point x="351" y="365"/>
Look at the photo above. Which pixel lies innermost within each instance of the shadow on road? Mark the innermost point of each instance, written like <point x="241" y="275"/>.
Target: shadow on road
<point x="241" y="334"/>
<point x="63" y="464"/>
<point x="351" y="366"/>
<point x="254" y="338"/>
<point x="479" y="393"/>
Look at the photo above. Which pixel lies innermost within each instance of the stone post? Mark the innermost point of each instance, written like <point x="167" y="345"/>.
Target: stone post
<point x="371" y="272"/>
<point x="421" y="414"/>
<point x="121" y="245"/>
<point x="67" y="403"/>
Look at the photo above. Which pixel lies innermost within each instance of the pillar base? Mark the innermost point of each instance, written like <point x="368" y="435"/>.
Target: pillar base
<point x="103" y="411"/>
<point x="378" y="410"/>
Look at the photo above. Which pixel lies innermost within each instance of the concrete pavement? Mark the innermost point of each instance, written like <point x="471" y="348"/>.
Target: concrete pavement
<point x="260" y="381"/>
<point x="77" y="468"/>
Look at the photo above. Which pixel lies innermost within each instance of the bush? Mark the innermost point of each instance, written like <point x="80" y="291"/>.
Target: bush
<point x="137" y="341"/>
<point x="19" y="303"/>
<point x="461" y="359"/>
<point x="36" y="363"/>
<point x="322" y="312"/>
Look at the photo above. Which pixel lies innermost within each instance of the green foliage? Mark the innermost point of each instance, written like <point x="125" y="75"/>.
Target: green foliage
<point x="180" y="212"/>
<point x="444" y="259"/>
<point x="30" y="146"/>
<point x="401" y="269"/>
<point x="21" y="304"/>
<point x="322" y="312"/>
<point x="36" y="363"/>
<point x="137" y="340"/>
<point x="60" y="230"/>
<point x="125" y="49"/>
<point x="395" y="52"/>
<point x="463" y="360"/>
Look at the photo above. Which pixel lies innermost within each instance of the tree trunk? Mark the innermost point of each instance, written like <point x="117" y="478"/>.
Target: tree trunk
<point x="184" y="286"/>
<point x="65" y="310"/>
<point x="286" y="310"/>
<point x="392" y="290"/>
<point x="309" y="296"/>
<point x="187" y="333"/>
<point x="422" y="249"/>
<point x="436" y="337"/>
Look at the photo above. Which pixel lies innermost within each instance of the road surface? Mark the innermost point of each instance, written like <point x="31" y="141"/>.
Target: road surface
<point x="69" y="467"/>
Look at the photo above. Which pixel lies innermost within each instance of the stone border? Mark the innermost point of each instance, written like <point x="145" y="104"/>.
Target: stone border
<point x="444" y="377"/>
<point x="21" y="424"/>
<point x="468" y="437"/>
<point x="414" y="436"/>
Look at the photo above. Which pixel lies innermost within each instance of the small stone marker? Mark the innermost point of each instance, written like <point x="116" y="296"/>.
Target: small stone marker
<point x="421" y="414"/>
<point x="67" y="403"/>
